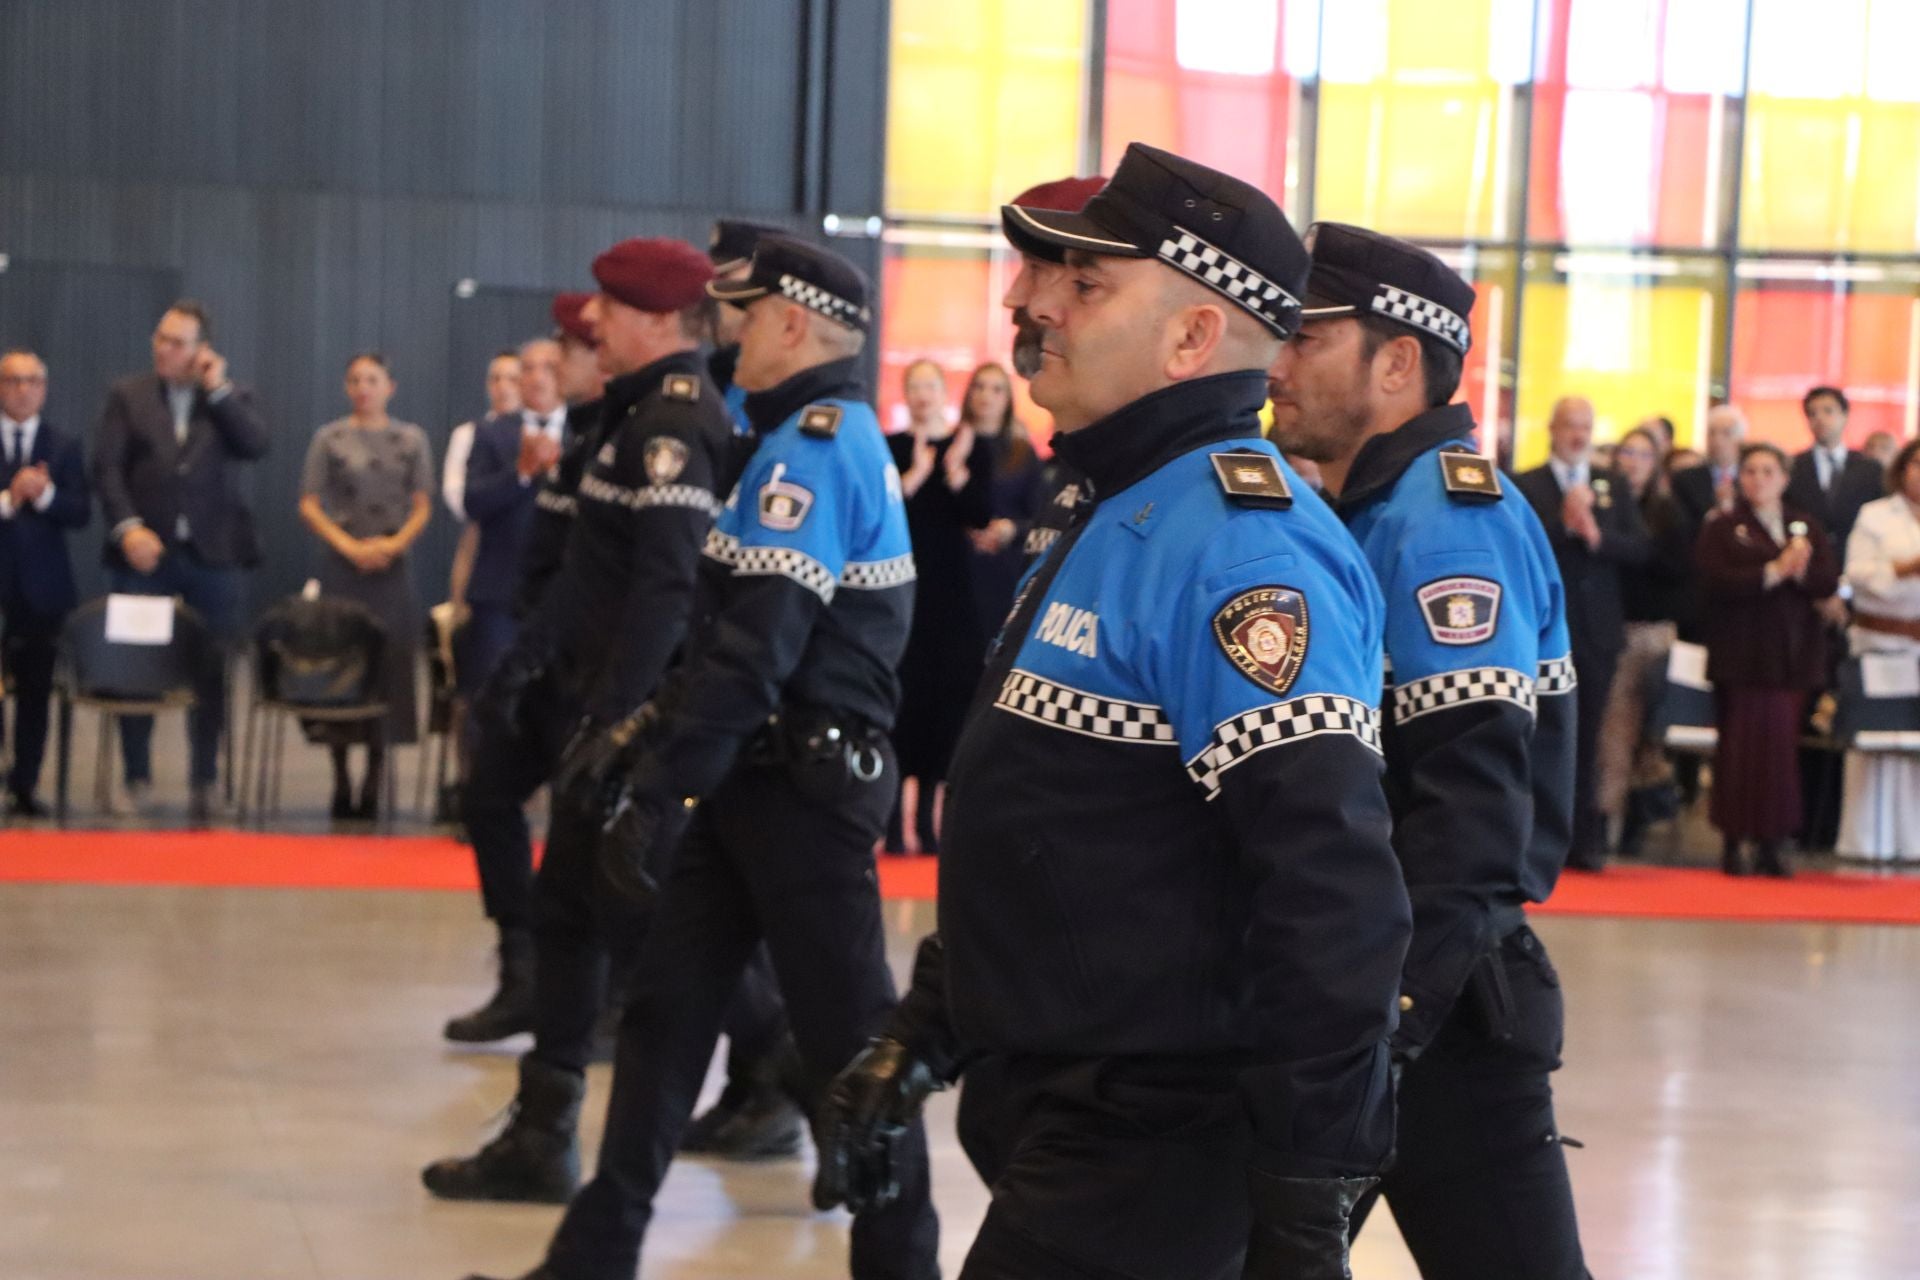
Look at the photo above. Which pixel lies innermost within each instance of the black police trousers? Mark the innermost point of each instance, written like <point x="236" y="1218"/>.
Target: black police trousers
<point x="507" y="767"/>
<point x="1107" y="1168"/>
<point x="1479" y="1185"/>
<point x="762" y="861"/>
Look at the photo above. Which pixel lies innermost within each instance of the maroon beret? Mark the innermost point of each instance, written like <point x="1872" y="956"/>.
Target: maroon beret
<point x="567" y="319"/>
<point x="653" y="275"/>
<point x="1068" y="195"/>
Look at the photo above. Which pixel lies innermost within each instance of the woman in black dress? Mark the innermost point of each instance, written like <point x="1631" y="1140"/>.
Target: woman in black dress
<point x="946" y="472"/>
<point x="1014" y="493"/>
<point x="365" y="493"/>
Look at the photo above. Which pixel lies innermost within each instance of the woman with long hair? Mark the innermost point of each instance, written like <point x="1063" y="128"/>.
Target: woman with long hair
<point x="366" y="495"/>
<point x="1764" y="566"/>
<point x="1014" y="493"/>
<point x="946" y="469"/>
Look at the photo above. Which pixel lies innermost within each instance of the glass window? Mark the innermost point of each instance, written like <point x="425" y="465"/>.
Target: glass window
<point x="984" y="100"/>
<point x="1798" y="326"/>
<point x="1636" y="335"/>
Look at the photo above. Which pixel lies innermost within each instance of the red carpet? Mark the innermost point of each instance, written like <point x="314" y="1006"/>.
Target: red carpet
<point x="244" y="859"/>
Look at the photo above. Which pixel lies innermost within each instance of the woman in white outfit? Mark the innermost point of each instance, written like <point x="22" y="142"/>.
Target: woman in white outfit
<point x="1882" y="817"/>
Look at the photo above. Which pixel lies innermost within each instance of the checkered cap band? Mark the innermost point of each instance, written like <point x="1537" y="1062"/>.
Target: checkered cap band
<point x="1556" y="676"/>
<point x="1026" y="694"/>
<point x="831" y="305"/>
<point x="1220" y="271"/>
<point x="1412" y="309"/>
<point x="1457" y="688"/>
<point x="689" y="496"/>
<point x="555" y="503"/>
<point x="1279" y="722"/>
<point x="877" y="575"/>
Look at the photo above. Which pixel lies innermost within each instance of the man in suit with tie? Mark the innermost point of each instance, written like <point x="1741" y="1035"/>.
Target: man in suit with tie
<point x="43" y="493"/>
<point x="1595" y="527"/>
<point x="510" y="454"/>
<point x="1831" y="482"/>
<point x="1702" y="490"/>
<point x="166" y="463"/>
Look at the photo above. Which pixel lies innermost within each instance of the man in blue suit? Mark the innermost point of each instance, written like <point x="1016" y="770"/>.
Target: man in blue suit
<point x="43" y="493"/>
<point x="510" y="454"/>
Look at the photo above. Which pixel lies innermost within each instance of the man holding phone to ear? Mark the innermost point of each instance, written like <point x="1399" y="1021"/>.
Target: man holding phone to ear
<point x="165" y="463"/>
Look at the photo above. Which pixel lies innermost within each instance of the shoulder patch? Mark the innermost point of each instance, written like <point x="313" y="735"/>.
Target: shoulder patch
<point x="665" y="458"/>
<point x="1470" y="477"/>
<point x="821" y="421"/>
<point x="1252" y="479"/>
<point x="783" y="504"/>
<point x="1263" y="632"/>
<point x="1460" y="610"/>
<point x="681" y="386"/>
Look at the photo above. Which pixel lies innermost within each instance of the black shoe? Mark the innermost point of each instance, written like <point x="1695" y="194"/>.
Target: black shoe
<point x="509" y="1011"/>
<point x="200" y="807"/>
<point x="766" y="1126"/>
<point x="1731" y="860"/>
<point x="1772" y="861"/>
<point x="23" y="804"/>
<point x="1586" y="861"/>
<point x="341" y="810"/>
<point x="536" y="1158"/>
<point x="368" y="810"/>
<point x="538" y="1273"/>
<point x="706" y="1127"/>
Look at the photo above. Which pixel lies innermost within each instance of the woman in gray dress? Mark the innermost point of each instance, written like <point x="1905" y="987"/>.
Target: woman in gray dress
<point x="365" y="493"/>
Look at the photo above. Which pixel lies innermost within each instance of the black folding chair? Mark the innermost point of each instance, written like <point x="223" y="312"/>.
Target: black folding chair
<point x="117" y="678"/>
<point x="315" y="660"/>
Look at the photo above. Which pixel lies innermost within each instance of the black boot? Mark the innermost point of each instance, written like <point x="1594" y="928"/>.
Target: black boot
<point x="538" y="1273"/>
<point x="1772" y="860"/>
<point x="706" y="1127"/>
<point x="1731" y="860"/>
<point x="369" y="807"/>
<point x="536" y="1158"/>
<point x="509" y="1011"/>
<point x="767" y="1123"/>
<point x="342" y="807"/>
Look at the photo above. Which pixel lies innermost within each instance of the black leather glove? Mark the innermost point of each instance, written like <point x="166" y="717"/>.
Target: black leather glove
<point x="501" y="698"/>
<point x="859" y="1124"/>
<point x="637" y="842"/>
<point x="1300" y="1227"/>
<point x="595" y="762"/>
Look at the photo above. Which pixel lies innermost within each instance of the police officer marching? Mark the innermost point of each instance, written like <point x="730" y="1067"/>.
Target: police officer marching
<point x="1479" y="737"/>
<point x="1169" y="909"/>
<point x="759" y="784"/>
<point x="614" y="616"/>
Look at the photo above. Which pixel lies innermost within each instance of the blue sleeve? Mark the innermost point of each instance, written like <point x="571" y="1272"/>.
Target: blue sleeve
<point x="493" y="476"/>
<point x="793" y="515"/>
<point x="1270" y="677"/>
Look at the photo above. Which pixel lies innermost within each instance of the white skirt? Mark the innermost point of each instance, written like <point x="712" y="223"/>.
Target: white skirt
<point x="1881" y="818"/>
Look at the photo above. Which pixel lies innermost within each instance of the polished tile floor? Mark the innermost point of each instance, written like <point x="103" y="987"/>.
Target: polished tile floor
<point x="241" y="1084"/>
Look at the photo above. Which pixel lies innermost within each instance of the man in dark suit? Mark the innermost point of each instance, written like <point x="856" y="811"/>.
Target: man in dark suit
<point x="510" y="454"/>
<point x="43" y="493"/>
<point x="1830" y="480"/>
<point x="1594" y="526"/>
<point x="166" y="463"/>
<point x="1700" y="491"/>
<point x="1832" y="483"/>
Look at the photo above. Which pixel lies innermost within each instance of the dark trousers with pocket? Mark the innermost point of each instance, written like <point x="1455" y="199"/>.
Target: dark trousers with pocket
<point x="1479" y="1186"/>
<point x="509" y="764"/>
<point x="1107" y="1168"/>
<point x="767" y="860"/>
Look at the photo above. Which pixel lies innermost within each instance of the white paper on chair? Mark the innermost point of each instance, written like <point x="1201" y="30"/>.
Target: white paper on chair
<point x="139" y="619"/>
<point x="1889" y="675"/>
<point x="1687" y="665"/>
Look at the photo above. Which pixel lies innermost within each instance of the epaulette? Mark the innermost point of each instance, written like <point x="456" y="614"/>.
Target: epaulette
<point x="681" y="386"/>
<point x="1469" y="477"/>
<point x="821" y="421"/>
<point x="1252" y="479"/>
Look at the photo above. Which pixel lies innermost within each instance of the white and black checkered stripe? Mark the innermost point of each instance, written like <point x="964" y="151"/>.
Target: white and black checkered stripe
<point x="556" y="503"/>
<point x="1556" y="676"/>
<point x="1411" y="308"/>
<point x="1039" y="539"/>
<point x="1219" y="270"/>
<point x="690" y="496"/>
<point x="1026" y="694"/>
<point x="878" y="575"/>
<point x="1315" y="715"/>
<point x="829" y="304"/>
<point x="1457" y="688"/>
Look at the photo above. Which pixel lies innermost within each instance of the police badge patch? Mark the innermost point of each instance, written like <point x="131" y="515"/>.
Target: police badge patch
<point x="783" y="505"/>
<point x="665" y="458"/>
<point x="1263" y="632"/>
<point x="1460" y="610"/>
<point x="1469" y="476"/>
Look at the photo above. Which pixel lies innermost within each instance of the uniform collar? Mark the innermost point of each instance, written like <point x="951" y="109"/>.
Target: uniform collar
<point x="722" y="363"/>
<point x="836" y="379"/>
<point x="1385" y="458"/>
<point x="1138" y="439"/>
<point x="630" y="388"/>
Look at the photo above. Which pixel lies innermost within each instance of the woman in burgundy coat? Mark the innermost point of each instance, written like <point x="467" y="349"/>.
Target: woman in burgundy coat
<point x="1763" y="566"/>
